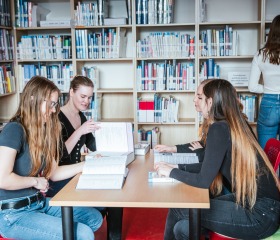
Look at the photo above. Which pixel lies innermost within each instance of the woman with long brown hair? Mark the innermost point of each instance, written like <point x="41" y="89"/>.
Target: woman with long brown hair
<point x="30" y="149"/>
<point x="233" y="158"/>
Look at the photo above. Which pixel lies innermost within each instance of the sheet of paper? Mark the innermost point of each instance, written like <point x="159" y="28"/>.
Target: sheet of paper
<point x="114" y="137"/>
<point x="105" y="165"/>
<point x="91" y="181"/>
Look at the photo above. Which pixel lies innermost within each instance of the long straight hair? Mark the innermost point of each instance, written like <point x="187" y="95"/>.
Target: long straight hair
<point x="245" y="148"/>
<point x="43" y="135"/>
<point x="271" y="49"/>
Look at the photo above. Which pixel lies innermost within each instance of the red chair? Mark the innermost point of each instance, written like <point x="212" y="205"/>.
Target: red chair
<point x="272" y="150"/>
<point x="217" y="236"/>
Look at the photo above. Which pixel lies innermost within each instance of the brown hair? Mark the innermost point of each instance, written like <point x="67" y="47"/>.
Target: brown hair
<point x="43" y="136"/>
<point x="271" y="49"/>
<point x="225" y="106"/>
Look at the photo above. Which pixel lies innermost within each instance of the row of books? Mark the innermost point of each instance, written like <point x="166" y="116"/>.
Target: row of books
<point x="166" y="44"/>
<point x="250" y="106"/>
<point x="219" y="42"/>
<point x="151" y="137"/>
<point x="60" y="73"/>
<point x="165" y="76"/>
<point x="209" y="69"/>
<point x="91" y="14"/>
<point x="108" y="43"/>
<point x="154" y="11"/>
<point x="5" y="13"/>
<point x="6" y="45"/>
<point x="44" y="47"/>
<point x="160" y="109"/>
<point x="29" y="14"/>
<point x="7" y="80"/>
<point x="92" y="72"/>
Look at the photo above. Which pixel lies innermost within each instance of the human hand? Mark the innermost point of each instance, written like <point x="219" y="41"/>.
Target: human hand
<point x="195" y="145"/>
<point x="165" y="148"/>
<point x="88" y="127"/>
<point x="41" y="184"/>
<point x="164" y="169"/>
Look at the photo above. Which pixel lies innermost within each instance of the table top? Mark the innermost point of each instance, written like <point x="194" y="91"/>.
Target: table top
<point x="136" y="192"/>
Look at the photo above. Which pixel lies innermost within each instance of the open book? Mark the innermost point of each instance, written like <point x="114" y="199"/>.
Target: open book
<point x="172" y="158"/>
<point x="103" y="173"/>
<point x="115" y="139"/>
<point x="175" y="158"/>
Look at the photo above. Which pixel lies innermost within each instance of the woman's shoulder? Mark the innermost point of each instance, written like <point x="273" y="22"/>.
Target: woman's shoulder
<point x="13" y="126"/>
<point x="219" y="126"/>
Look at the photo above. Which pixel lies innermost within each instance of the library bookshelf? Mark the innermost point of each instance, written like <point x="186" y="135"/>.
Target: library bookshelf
<point x="120" y="84"/>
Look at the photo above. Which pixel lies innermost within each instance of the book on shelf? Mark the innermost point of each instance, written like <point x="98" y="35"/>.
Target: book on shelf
<point x="175" y="158"/>
<point x="115" y="139"/>
<point x="103" y="173"/>
<point x="152" y="137"/>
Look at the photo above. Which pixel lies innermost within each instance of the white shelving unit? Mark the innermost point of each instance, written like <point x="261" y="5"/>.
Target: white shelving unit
<point x="117" y="77"/>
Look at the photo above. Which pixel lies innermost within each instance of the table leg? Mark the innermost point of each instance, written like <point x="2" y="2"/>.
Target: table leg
<point x="67" y="223"/>
<point x="194" y="224"/>
<point x="114" y="223"/>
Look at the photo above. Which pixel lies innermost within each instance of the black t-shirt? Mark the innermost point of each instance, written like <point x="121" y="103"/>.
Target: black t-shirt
<point x="217" y="158"/>
<point x="13" y="136"/>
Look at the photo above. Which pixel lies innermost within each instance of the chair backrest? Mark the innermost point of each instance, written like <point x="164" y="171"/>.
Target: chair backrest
<point x="272" y="150"/>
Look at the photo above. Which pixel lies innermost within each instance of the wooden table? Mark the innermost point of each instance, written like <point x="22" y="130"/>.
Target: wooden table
<point x="136" y="192"/>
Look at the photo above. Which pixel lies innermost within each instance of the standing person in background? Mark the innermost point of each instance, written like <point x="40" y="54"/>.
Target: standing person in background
<point x="195" y="146"/>
<point x="267" y="62"/>
<point x="29" y="153"/>
<point x="233" y="157"/>
<point x="77" y="132"/>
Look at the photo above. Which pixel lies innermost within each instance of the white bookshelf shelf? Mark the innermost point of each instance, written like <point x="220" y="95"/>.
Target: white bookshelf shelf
<point x="118" y="76"/>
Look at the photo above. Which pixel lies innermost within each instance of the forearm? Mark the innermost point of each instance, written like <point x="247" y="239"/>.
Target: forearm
<point x="66" y="171"/>
<point x="16" y="182"/>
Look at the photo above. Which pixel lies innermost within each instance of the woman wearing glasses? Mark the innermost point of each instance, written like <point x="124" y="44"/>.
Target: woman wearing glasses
<point x="29" y="149"/>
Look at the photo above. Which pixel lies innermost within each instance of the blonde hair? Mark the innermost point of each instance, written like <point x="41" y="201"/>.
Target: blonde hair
<point x="245" y="148"/>
<point x="43" y="136"/>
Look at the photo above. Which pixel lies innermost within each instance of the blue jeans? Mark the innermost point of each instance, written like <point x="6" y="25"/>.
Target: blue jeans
<point x="269" y="118"/>
<point x="39" y="221"/>
<point x="229" y="219"/>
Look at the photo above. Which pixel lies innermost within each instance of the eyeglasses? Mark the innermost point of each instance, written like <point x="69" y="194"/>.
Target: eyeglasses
<point x="52" y="104"/>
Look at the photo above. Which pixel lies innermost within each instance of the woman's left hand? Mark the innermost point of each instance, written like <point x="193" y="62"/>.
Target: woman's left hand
<point x="164" y="169"/>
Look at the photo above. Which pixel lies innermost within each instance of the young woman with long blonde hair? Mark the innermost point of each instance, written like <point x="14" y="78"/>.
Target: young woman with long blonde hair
<point x="29" y="152"/>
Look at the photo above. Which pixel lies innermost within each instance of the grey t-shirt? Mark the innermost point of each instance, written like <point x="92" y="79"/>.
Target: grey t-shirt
<point x="13" y="136"/>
